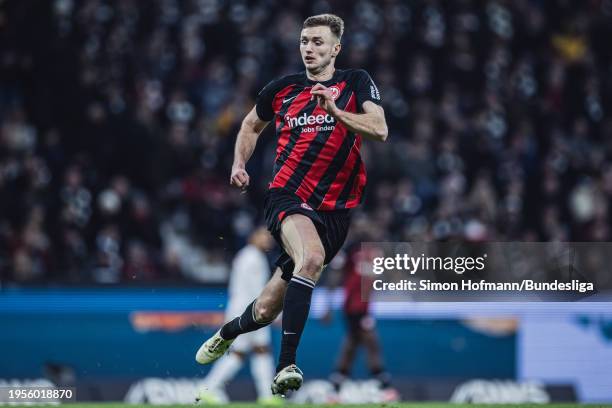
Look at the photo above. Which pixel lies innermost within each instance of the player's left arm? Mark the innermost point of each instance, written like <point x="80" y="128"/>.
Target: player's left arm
<point x="370" y="124"/>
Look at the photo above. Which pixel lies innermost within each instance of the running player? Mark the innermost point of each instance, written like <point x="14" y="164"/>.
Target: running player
<point x="250" y="272"/>
<point x="320" y="116"/>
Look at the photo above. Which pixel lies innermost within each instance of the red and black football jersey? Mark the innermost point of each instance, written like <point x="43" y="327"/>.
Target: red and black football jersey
<point x="317" y="158"/>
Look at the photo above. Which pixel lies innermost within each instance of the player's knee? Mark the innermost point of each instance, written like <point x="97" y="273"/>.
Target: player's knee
<point x="312" y="264"/>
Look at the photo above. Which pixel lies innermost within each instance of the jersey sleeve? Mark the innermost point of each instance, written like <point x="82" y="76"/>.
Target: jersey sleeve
<point x="365" y="88"/>
<point x="263" y="103"/>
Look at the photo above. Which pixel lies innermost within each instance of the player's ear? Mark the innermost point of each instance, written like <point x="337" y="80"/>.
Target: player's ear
<point x="336" y="50"/>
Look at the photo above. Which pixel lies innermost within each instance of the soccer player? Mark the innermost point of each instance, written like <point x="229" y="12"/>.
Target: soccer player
<point x="320" y="116"/>
<point x="250" y="272"/>
<point x="361" y="324"/>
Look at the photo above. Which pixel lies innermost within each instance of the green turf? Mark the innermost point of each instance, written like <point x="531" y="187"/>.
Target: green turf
<point x="391" y="405"/>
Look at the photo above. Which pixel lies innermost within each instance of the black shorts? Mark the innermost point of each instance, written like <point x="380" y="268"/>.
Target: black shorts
<point x="357" y="323"/>
<point x="332" y="226"/>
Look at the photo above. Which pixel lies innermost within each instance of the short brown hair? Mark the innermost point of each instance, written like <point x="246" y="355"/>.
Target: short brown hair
<point x="335" y="23"/>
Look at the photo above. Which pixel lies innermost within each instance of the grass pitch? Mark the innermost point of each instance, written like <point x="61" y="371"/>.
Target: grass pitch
<point x="390" y="405"/>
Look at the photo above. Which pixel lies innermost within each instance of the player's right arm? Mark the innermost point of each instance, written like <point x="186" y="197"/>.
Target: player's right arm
<point x="251" y="128"/>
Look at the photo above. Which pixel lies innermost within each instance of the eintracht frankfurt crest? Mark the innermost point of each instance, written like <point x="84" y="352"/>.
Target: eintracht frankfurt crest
<point x="335" y="92"/>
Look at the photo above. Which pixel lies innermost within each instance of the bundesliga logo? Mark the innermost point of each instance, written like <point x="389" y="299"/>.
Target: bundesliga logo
<point x="306" y="206"/>
<point x="304" y="120"/>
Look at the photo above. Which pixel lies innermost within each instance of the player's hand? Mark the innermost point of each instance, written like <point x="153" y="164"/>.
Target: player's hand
<point x="325" y="100"/>
<point x="239" y="178"/>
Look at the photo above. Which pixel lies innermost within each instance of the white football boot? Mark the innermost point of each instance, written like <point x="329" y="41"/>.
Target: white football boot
<point x="213" y="348"/>
<point x="289" y="378"/>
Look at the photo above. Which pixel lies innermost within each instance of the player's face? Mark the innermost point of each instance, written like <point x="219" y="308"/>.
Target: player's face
<point x="319" y="47"/>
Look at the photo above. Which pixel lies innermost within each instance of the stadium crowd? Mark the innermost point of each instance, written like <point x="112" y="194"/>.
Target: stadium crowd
<point x="118" y="118"/>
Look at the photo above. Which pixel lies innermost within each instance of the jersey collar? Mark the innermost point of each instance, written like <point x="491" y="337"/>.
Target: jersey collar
<point x="330" y="81"/>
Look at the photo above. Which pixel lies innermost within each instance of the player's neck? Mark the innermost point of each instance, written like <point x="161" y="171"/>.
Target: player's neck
<point x="325" y="75"/>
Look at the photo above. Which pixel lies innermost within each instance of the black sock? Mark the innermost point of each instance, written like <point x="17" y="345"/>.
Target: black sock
<point x="242" y="324"/>
<point x="338" y="377"/>
<point x="295" y="313"/>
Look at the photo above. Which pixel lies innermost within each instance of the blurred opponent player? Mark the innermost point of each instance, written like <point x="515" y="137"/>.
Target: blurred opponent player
<point x="352" y="268"/>
<point x="250" y="272"/>
<point x="320" y="116"/>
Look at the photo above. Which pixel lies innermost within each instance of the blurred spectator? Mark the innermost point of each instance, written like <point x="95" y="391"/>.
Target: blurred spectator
<point x="117" y="124"/>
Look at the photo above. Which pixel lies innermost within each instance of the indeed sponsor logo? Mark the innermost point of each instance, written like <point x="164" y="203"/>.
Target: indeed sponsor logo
<point x="304" y="120"/>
